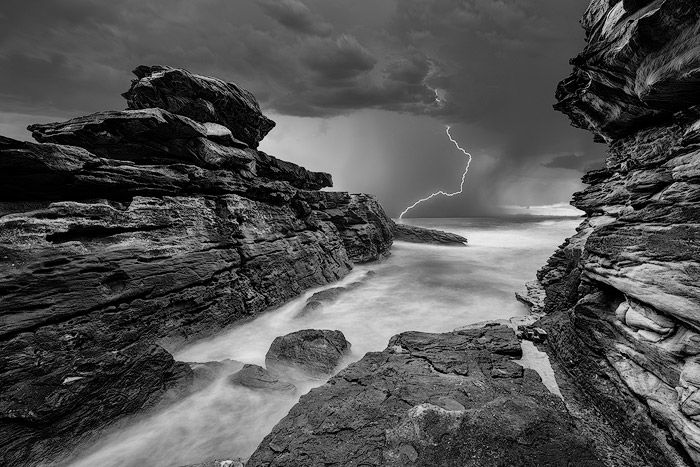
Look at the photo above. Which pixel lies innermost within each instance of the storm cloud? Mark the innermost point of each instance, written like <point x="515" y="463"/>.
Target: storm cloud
<point x="486" y="67"/>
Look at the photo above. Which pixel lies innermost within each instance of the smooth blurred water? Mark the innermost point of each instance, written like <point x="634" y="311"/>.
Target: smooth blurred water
<point x="420" y="287"/>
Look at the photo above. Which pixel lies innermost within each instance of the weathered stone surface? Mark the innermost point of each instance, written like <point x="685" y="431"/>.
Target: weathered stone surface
<point x="430" y="399"/>
<point x="147" y="136"/>
<point x="533" y="296"/>
<point x="623" y="294"/>
<point x="149" y="230"/>
<point x="638" y="67"/>
<point x="276" y="169"/>
<point x="414" y="234"/>
<point x="257" y="377"/>
<point x="200" y="98"/>
<point x="366" y="229"/>
<point x="310" y="352"/>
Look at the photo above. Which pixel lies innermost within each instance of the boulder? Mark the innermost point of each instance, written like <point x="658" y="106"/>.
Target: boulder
<point x="311" y="352"/>
<point x="257" y="377"/>
<point x="200" y="98"/>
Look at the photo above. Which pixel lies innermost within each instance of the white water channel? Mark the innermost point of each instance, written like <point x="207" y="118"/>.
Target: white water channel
<point x="420" y="287"/>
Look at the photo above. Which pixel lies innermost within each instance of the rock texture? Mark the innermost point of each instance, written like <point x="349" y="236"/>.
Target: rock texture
<point x="311" y="352"/>
<point x="624" y="293"/>
<point x="124" y="234"/>
<point x="200" y="98"/>
<point x="414" y="234"/>
<point x="455" y="399"/>
<point x="257" y="377"/>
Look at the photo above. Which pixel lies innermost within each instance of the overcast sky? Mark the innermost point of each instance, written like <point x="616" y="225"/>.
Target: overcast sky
<point x="351" y="84"/>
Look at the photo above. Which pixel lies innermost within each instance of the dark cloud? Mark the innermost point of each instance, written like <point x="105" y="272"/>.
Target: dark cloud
<point x="296" y="16"/>
<point x="494" y="64"/>
<point x="339" y="59"/>
<point x="579" y="162"/>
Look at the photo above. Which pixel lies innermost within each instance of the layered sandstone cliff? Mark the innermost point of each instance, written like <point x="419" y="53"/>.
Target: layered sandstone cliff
<point x="124" y="234"/>
<point x="623" y="294"/>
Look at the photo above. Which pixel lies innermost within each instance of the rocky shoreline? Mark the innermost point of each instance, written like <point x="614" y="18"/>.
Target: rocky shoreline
<point x="126" y="234"/>
<point x="619" y="302"/>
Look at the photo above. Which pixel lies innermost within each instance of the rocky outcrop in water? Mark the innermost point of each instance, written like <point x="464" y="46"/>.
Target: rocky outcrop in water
<point x="624" y="293"/>
<point x="431" y="399"/>
<point x="313" y="353"/>
<point x="257" y="377"/>
<point x="415" y="234"/>
<point x="124" y="234"/>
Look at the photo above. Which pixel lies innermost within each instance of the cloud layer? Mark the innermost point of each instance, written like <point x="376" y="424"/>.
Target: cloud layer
<point x="493" y="64"/>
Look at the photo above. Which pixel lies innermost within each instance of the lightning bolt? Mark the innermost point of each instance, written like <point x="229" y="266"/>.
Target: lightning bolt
<point x="442" y="193"/>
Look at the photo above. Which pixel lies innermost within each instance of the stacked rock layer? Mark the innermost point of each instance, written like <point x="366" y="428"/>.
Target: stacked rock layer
<point x="125" y="233"/>
<point x="624" y="293"/>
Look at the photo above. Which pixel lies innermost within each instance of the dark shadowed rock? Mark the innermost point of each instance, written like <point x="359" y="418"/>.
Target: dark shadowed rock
<point x="414" y="234"/>
<point x="257" y="377"/>
<point x="276" y="169"/>
<point x="638" y="69"/>
<point x="312" y="352"/>
<point x="200" y="98"/>
<point x="455" y="399"/>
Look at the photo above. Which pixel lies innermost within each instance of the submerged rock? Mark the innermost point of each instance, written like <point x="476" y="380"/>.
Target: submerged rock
<point x="414" y="234"/>
<point x="208" y="372"/>
<point x="431" y="399"/>
<point x="311" y="352"/>
<point x="331" y="295"/>
<point x="257" y="377"/>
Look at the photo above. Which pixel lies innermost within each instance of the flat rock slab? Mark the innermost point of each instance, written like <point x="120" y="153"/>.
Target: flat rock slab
<point x="454" y="399"/>
<point x="414" y="234"/>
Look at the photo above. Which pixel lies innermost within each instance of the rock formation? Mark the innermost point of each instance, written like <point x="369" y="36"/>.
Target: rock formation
<point x="623" y="294"/>
<point x="414" y="234"/>
<point x="313" y="353"/>
<point x="124" y="234"/>
<point x="257" y="377"/>
<point x="430" y="399"/>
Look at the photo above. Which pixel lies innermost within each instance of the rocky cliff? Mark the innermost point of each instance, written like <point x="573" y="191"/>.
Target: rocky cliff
<point x="123" y="234"/>
<point x="623" y="294"/>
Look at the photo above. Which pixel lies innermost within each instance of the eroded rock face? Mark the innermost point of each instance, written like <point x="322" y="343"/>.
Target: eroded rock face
<point x="200" y="98"/>
<point x="125" y="234"/>
<point x="624" y="293"/>
<point x="311" y="352"/>
<point x="430" y="399"/>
